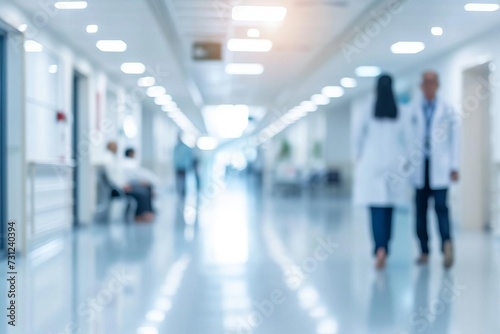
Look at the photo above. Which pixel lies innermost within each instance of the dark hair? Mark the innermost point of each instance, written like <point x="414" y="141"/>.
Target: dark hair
<point x="385" y="107"/>
<point x="129" y="152"/>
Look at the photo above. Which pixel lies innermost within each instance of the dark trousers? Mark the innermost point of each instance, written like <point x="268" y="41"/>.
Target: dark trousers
<point x="381" y="227"/>
<point x="441" y="207"/>
<point x="143" y="196"/>
<point x="180" y="182"/>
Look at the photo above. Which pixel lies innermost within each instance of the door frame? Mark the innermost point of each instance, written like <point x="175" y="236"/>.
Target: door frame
<point x="3" y="142"/>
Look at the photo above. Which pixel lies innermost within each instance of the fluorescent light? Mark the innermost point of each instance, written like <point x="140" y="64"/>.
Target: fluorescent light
<point x="32" y="46"/>
<point x="22" y="27"/>
<point x="259" y="13"/>
<point x="437" y="31"/>
<point x="320" y="99"/>
<point x="309" y="106"/>
<point x="155" y="316"/>
<point x="246" y="69"/>
<point x="253" y="33"/>
<point x="71" y="4"/>
<point x="249" y="45"/>
<point x="133" y="68"/>
<point x="147" y="330"/>
<point x="111" y="45"/>
<point x="333" y="91"/>
<point x="407" y="47"/>
<point x="53" y="69"/>
<point x="92" y="28"/>
<point x="206" y="143"/>
<point x="146" y="82"/>
<point x="163" y="100"/>
<point x="368" y="71"/>
<point x="170" y="107"/>
<point x="348" y="82"/>
<point x="156" y="91"/>
<point x="481" y="7"/>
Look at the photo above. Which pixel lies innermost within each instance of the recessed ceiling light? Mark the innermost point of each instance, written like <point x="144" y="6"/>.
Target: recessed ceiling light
<point x="333" y="91"/>
<point x="53" y="69"/>
<point x="22" y="27"/>
<point x="437" y="31"/>
<point x="407" y="47"/>
<point x="133" y="68"/>
<point x="250" y="45"/>
<point x="253" y="33"/>
<point x="111" y="45"/>
<point x="320" y="99"/>
<point x="348" y="82"/>
<point x="147" y="330"/>
<point x="259" y="13"/>
<point x="481" y="7"/>
<point x="156" y="91"/>
<point x="92" y="28"/>
<point x="309" y="106"/>
<point x="206" y="143"/>
<point x="163" y="100"/>
<point x="71" y="4"/>
<point x="245" y="69"/>
<point x="32" y="46"/>
<point x="146" y="82"/>
<point x="368" y="71"/>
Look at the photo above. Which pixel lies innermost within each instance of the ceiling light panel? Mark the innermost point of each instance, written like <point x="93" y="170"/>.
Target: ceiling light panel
<point x="71" y="4"/>
<point x="133" y="68"/>
<point x="111" y="45"/>
<point x="407" y="47"/>
<point x="259" y="13"/>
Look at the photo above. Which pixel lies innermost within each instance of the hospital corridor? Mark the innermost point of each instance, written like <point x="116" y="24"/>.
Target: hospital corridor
<point x="250" y="166"/>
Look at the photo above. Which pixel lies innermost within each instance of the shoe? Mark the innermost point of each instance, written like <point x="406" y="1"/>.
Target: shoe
<point x="381" y="259"/>
<point x="448" y="254"/>
<point x="423" y="259"/>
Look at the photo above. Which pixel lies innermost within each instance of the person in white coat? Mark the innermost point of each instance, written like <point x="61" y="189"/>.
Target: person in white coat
<point x="435" y="163"/>
<point x="379" y="142"/>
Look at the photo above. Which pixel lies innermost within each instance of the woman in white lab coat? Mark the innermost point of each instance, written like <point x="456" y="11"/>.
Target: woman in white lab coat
<point x="379" y="138"/>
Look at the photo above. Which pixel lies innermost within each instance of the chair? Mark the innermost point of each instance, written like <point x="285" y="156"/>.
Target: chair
<point x="105" y="189"/>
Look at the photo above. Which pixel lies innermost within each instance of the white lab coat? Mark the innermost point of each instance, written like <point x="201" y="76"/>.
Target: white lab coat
<point x="445" y="145"/>
<point x="379" y="147"/>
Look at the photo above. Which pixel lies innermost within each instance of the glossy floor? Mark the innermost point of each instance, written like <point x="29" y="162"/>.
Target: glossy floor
<point x="245" y="263"/>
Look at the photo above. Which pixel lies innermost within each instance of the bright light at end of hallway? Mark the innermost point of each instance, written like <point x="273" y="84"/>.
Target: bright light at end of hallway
<point x="368" y="71"/>
<point x="437" y="31"/>
<point x="71" y="4"/>
<point x="133" y="68"/>
<point x="53" y="69"/>
<point x="111" y="45"/>
<point x="407" y="47"/>
<point x="206" y="143"/>
<point x="147" y="330"/>
<point x="327" y="327"/>
<point x="22" y="27"/>
<point x="245" y="69"/>
<point x="130" y="127"/>
<point x="253" y="33"/>
<point x="92" y="28"/>
<point x="259" y="13"/>
<point x="481" y="7"/>
<point x="32" y="46"/>
<point x="333" y="91"/>
<point x="249" y="45"/>
<point x="226" y="121"/>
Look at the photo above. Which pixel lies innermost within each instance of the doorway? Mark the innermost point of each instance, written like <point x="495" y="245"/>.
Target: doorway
<point x="3" y="144"/>
<point x="476" y="148"/>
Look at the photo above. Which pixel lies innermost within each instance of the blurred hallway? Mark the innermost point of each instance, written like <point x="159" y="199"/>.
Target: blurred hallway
<point x="249" y="263"/>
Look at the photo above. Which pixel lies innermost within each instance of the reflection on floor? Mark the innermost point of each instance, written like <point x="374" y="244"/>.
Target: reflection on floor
<point x="244" y="263"/>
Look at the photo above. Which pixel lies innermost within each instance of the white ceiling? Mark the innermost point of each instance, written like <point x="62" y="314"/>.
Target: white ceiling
<point x="305" y="57"/>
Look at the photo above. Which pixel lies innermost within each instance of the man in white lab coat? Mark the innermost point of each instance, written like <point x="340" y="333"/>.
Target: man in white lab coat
<point x="436" y="130"/>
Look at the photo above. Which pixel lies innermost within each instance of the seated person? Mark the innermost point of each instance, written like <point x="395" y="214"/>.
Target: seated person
<point x="120" y="177"/>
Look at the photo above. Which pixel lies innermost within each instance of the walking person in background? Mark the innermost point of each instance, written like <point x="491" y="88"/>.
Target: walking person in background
<point x="184" y="160"/>
<point x="379" y="139"/>
<point x="435" y="129"/>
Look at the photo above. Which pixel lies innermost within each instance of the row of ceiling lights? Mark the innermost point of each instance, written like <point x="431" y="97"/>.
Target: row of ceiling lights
<point x="159" y="93"/>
